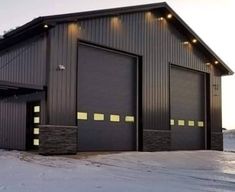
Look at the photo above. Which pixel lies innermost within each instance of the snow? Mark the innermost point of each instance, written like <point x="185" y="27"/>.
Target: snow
<point x="177" y="171"/>
<point x="229" y="140"/>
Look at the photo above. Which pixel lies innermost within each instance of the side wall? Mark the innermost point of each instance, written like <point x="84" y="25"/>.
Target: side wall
<point x="13" y="120"/>
<point x="159" y="44"/>
<point x="24" y="63"/>
<point x="216" y="141"/>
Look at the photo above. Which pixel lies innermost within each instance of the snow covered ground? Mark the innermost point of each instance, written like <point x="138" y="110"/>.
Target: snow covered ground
<point x="229" y="140"/>
<point x="126" y="172"/>
<point x="111" y="172"/>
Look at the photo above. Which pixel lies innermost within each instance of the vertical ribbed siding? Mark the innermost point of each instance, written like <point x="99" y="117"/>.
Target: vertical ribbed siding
<point x="62" y="84"/>
<point x="13" y="120"/>
<point x="24" y="63"/>
<point x="159" y="44"/>
<point x="12" y="125"/>
<point x="216" y="111"/>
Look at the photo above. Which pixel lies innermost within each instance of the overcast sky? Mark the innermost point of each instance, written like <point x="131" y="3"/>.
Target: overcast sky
<point x="212" y="20"/>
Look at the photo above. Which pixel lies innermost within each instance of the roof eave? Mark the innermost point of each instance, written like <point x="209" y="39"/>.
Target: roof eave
<point x="110" y="12"/>
<point x="228" y="70"/>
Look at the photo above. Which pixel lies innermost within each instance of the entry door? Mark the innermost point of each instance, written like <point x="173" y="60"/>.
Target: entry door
<point x="187" y="100"/>
<point x="33" y="121"/>
<point x="106" y="100"/>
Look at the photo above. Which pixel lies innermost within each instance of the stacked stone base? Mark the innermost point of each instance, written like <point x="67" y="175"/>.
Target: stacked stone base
<point x="159" y="140"/>
<point x="57" y="140"/>
<point x="156" y="140"/>
<point x="217" y="141"/>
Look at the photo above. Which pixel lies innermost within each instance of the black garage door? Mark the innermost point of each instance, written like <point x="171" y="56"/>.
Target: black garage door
<point x="106" y="101"/>
<point x="187" y="100"/>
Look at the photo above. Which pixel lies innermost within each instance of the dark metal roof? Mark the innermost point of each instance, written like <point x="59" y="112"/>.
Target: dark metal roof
<point x="8" y="89"/>
<point x="36" y="27"/>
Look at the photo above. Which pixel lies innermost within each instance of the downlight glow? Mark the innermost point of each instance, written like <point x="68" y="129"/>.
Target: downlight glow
<point x="149" y="13"/>
<point x="186" y="43"/>
<point x="45" y="26"/>
<point x="194" y="40"/>
<point x="169" y="16"/>
<point x="160" y="18"/>
<point x="216" y="62"/>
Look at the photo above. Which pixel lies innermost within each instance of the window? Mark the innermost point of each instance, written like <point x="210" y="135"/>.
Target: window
<point x="98" y="117"/>
<point x="181" y="122"/>
<point x="36" y="120"/>
<point x="114" y="118"/>
<point x="36" y="109"/>
<point x="200" y="124"/>
<point x="191" y="123"/>
<point x="130" y="119"/>
<point x="36" y="142"/>
<point x="82" y="115"/>
<point x="36" y="131"/>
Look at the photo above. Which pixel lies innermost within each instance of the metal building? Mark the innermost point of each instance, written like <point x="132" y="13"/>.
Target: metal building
<point x="133" y="78"/>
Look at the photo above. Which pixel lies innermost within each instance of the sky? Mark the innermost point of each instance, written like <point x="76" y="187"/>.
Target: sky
<point x="212" y="20"/>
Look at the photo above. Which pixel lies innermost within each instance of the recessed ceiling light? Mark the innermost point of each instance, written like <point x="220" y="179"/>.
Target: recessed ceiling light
<point x="115" y="18"/>
<point x="185" y="42"/>
<point x="169" y="16"/>
<point x="216" y="62"/>
<point x="160" y="18"/>
<point x="45" y="26"/>
<point x="194" y="40"/>
<point x="149" y="13"/>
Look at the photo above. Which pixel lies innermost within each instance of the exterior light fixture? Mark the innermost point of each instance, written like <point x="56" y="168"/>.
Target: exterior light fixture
<point x="160" y="18"/>
<point x="116" y="23"/>
<point x="115" y="18"/>
<point x="216" y="62"/>
<point x="194" y="40"/>
<point x="60" y="67"/>
<point x="149" y="13"/>
<point x="208" y="64"/>
<point x="186" y="43"/>
<point x="169" y="16"/>
<point x="45" y="26"/>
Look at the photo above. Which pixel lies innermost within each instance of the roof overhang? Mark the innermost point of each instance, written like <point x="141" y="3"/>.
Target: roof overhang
<point x="8" y="89"/>
<point x="37" y="26"/>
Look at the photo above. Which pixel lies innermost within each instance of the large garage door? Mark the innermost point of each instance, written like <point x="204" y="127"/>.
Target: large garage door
<point x="106" y="100"/>
<point x="187" y="100"/>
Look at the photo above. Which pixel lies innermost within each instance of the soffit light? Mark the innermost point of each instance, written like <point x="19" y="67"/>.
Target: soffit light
<point x="160" y="18"/>
<point x="149" y="13"/>
<point x="216" y="62"/>
<point x="194" y="40"/>
<point x="185" y="42"/>
<point x="169" y="16"/>
<point x="45" y="26"/>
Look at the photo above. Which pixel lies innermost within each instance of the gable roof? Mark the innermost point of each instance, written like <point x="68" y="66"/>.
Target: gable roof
<point x="36" y="27"/>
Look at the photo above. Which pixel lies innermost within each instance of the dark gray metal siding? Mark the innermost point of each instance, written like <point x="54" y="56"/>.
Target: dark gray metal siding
<point x="12" y="125"/>
<point x="25" y="62"/>
<point x="13" y="120"/>
<point x="62" y="84"/>
<point x="216" y="103"/>
<point x="141" y="33"/>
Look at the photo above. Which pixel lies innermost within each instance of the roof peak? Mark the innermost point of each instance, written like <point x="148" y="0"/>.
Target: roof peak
<point x="37" y="24"/>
